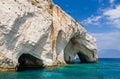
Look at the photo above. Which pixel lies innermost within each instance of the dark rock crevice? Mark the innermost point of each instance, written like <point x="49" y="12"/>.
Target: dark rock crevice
<point x="85" y="58"/>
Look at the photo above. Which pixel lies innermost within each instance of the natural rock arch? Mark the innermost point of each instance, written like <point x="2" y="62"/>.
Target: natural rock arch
<point x="47" y="34"/>
<point x="82" y="47"/>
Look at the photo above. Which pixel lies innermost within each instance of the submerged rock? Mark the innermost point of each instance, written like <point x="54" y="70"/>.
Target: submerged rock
<point x="41" y="34"/>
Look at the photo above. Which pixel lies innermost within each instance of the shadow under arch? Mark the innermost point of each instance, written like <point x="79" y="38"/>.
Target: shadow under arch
<point x="29" y="62"/>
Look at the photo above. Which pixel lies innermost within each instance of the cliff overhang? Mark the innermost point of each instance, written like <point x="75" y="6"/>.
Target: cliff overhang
<point x="38" y="33"/>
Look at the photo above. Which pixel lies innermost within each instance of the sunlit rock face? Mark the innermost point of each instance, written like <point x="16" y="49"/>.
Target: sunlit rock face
<point x="41" y="34"/>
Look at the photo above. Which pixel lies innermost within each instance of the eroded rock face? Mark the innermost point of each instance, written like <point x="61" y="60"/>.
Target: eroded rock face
<point x="42" y="30"/>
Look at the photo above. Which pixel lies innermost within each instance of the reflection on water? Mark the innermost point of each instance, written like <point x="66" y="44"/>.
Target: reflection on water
<point x="104" y="69"/>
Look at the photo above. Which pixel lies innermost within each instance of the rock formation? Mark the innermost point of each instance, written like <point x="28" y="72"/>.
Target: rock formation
<point x="39" y="33"/>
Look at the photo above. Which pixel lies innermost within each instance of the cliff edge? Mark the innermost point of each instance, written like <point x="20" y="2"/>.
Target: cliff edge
<point x="38" y="33"/>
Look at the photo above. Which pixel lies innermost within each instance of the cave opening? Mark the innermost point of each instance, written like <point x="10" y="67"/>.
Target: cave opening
<point x="77" y="59"/>
<point x="29" y="62"/>
<point x="84" y="58"/>
<point x="81" y="57"/>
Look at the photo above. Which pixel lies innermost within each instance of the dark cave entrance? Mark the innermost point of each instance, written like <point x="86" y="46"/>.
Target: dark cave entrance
<point x="84" y="58"/>
<point x="81" y="58"/>
<point x="29" y="62"/>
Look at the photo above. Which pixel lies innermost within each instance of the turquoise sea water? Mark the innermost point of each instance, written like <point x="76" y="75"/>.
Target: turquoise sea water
<point x="104" y="69"/>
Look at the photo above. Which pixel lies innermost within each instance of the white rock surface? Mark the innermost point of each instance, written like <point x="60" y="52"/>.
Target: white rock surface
<point x="41" y="29"/>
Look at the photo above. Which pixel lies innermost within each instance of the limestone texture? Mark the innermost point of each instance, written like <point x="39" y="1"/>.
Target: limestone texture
<point x="39" y="33"/>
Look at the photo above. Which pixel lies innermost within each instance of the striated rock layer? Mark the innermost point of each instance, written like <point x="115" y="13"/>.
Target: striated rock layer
<point x="37" y="33"/>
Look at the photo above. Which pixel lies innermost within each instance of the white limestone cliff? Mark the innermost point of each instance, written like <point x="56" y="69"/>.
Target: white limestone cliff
<point x="39" y="33"/>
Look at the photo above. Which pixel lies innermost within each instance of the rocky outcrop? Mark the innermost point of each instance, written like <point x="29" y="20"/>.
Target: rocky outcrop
<point x="38" y="33"/>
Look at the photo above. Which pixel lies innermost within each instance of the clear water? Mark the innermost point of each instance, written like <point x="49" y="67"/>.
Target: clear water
<point x="104" y="69"/>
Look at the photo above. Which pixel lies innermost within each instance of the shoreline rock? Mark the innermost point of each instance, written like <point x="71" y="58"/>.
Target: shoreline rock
<point x="43" y="30"/>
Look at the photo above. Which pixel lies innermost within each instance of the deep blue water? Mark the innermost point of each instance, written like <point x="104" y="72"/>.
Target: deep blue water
<point x="104" y="69"/>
